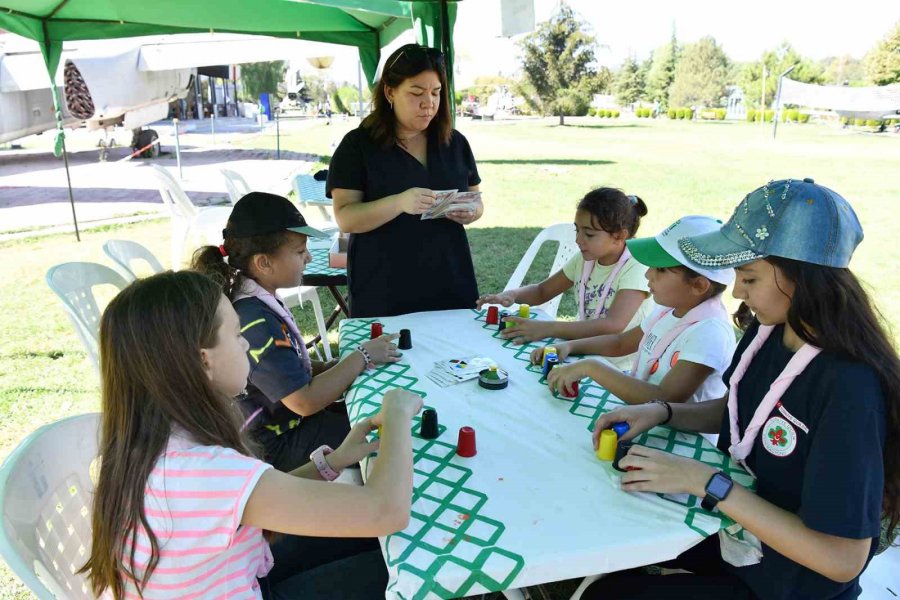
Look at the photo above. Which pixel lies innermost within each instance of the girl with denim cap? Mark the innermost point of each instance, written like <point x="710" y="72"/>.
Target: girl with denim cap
<point x="813" y="411"/>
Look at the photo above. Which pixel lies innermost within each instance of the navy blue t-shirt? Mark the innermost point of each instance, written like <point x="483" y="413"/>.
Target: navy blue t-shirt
<point x="276" y="369"/>
<point x="406" y="265"/>
<point x="819" y="455"/>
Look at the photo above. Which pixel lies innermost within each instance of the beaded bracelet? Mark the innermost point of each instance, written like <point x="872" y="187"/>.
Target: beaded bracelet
<point x="368" y="358"/>
<point x="668" y="409"/>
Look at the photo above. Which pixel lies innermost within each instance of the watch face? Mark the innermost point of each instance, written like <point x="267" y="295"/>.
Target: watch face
<point x="719" y="485"/>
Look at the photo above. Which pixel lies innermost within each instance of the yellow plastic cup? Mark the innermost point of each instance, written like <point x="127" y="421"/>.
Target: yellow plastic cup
<point x="524" y="311"/>
<point x="606" y="450"/>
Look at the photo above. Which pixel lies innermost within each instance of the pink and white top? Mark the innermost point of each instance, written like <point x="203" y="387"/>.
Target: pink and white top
<point x="195" y="499"/>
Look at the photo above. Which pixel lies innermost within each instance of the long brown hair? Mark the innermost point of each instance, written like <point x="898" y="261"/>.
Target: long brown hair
<point x="405" y="62"/>
<point x="831" y="310"/>
<point x="152" y="379"/>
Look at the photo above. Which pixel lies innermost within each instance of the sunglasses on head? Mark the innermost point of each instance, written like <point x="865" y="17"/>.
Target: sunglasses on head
<point x="415" y="53"/>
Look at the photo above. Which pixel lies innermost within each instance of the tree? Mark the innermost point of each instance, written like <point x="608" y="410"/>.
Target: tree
<point x="662" y="71"/>
<point x="701" y="75"/>
<point x="262" y="77"/>
<point x="883" y="61"/>
<point x="629" y="84"/>
<point x="557" y="57"/>
<point x="776" y="62"/>
<point x="843" y="70"/>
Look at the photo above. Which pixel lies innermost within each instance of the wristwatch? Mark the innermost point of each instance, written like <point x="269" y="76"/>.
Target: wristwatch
<point x="717" y="489"/>
<point x="318" y="458"/>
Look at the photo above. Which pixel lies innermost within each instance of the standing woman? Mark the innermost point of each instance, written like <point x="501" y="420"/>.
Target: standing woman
<point x="382" y="178"/>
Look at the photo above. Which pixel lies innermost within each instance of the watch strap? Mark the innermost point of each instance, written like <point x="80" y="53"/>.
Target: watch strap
<point x="318" y="458"/>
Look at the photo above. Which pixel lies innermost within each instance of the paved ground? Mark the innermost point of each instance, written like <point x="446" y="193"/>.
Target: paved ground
<point x="34" y="196"/>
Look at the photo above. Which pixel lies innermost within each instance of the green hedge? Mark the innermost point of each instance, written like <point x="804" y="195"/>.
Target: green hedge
<point x="803" y="118"/>
<point x="720" y="114"/>
<point x="873" y="123"/>
<point x="769" y="116"/>
<point x="859" y="122"/>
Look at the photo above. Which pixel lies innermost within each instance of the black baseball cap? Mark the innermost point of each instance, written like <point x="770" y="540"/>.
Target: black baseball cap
<point x="259" y="213"/>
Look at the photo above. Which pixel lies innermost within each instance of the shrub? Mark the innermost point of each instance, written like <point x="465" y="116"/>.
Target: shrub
<point x="803" y="118"/>
<point x="859" y="122"/>
<point x="643" y="113"/>
<point x="751" y="115"/>
<point x="592" y="112"/>
<point x="769" y="116"/>
<point x="873" y="123"/>
<point x="614" y="114"/>
<point x="673" y="114"/>
<point x="689" y="114"/>
<point x="791" y="115"/>
<point x="679" y="113"/>
<point x="845" y="120"/>
<point x="601" y="112"/>
<point x="720" y="114"/>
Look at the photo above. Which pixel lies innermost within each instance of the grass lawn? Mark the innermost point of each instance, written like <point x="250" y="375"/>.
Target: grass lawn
<point x="533" y="174"/>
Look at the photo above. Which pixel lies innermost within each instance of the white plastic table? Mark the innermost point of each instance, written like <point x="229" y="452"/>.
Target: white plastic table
<point x="535" y="504"/>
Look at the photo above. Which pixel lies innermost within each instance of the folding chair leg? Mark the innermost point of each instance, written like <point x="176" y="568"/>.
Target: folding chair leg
<point x="312" y="295"/>
<point x="513" y="594"/>
<point x="583" y="586"/>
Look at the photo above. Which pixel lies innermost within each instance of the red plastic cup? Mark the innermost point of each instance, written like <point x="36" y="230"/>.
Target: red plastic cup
<point x="493" y="315"/>
<point x="377" y="330"/>
<point x="574" y="389"/>
<point x="465" y="446"/>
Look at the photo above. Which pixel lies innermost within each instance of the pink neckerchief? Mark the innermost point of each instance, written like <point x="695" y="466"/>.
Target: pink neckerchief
<point x="740" y="447"/>
<point x="712" y="308"/>
<point x="251" y="289"/>
<point x="586" y="271"/>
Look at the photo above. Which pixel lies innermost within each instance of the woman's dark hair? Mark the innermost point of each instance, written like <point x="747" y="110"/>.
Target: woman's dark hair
<point x="612" y="210"/>
<point x="408" y="61"/>
<point x="831" y="310"/>
<point x="152" y="378"/>
<point x="231" y="274"/>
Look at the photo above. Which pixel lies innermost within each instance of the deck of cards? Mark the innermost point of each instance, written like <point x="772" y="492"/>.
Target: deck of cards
<point x="451" y="371"/>
<point x="449" y="201"/>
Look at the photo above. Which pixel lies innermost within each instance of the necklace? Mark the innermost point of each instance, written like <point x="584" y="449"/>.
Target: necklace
<point x="403" y="141"/>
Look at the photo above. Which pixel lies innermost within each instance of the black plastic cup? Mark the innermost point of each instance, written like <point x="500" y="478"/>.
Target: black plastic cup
<point x="429" y="426"/>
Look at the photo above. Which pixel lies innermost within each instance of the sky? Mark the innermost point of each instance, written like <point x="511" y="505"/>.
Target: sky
<point x="744" y="29"/>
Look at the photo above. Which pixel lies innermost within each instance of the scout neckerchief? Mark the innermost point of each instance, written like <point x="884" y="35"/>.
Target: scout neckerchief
<point x="740" y="447"/>
<point x="586" y="271"/>
<point x="251" y="289"/>
<point x="711" y="308"/>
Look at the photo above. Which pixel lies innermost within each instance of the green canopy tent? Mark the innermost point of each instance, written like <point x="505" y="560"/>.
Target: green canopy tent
<point x="367" y="24"/>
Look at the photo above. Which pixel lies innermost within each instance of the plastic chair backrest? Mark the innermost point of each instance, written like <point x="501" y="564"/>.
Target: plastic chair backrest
<point x="45" y="503"/>
<point x="74" y="283"/>
<point x="308" y="189"/>
<point x="564" y="233"/>
<point x="124" y="252"/>
<point x="235" y="184"/>
<point x="173" y="195"/>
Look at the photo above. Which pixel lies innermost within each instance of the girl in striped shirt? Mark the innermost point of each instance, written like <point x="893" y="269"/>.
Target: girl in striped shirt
<point x="181" y="504"/>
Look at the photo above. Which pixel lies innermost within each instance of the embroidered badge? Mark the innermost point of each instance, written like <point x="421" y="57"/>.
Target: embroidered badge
<point x="779" y="437"/>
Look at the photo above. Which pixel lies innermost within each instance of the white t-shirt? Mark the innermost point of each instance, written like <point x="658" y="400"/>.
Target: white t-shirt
<point x="710" y="342"/>
<point x="630" y="277"/>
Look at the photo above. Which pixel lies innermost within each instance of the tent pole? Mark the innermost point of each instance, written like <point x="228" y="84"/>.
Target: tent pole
<point x="69" y="181"/>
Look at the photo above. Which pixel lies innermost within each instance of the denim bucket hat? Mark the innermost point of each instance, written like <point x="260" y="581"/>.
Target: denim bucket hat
<point x="799" y="220"/>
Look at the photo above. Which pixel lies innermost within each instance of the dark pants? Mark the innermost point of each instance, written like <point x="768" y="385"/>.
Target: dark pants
<point x="291" y="449"/>
<point x="709" y="580"/>
<point x="311" y="568"/>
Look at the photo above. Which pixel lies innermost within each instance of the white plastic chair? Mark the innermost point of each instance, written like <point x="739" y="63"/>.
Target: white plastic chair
<point x="235" y="184"/>
<point x="74" y="283"/>
<point x="312" y="193"/>
<point x="124" y="252"/>
<point x="296" y="296"/>
<point x="45" y="503"/>
<point x="203" y="224"/>
<point x="564" y="233"/>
